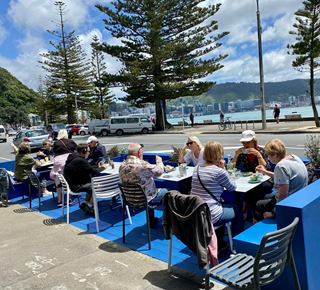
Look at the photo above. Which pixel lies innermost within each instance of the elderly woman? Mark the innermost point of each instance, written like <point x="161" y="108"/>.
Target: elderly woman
<point x="61" y="150"/>
<point x="209" y="180"/>
<point x="290" y="175"/>
<point x="250" y="156"/>
<point x="195" y="154"/>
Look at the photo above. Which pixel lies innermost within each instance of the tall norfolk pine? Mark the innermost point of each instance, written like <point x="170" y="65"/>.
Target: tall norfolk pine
<point x="307" y="46"/>
<point x="162" y="45"/>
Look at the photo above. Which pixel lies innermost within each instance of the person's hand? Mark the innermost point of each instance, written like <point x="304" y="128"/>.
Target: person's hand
<point x="104" y="166"/>
<point x="238" y="152"/>
<point x="221" y="164"/>
<point x="42" y="161"/>
<point x="261" y="169"/>
<point x="253" y="151"/>
<point x="158" y="158"/>
<point x="268" y="215"/>
<point x="40" y="153"/>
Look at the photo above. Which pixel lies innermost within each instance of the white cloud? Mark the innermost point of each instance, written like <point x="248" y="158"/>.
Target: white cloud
<point x="3" y="32"/>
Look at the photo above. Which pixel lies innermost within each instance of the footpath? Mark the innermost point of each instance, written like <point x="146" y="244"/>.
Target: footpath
<point x="38" y="252"/>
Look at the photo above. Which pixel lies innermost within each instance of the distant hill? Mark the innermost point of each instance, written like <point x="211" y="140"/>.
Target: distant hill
<point x="14" y="93"/>
<point x="231" y="92"/>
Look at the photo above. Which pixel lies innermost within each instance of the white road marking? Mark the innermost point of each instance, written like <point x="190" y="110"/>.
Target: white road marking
<point x="3" y="246"/>
<point x="5" y="158"/>
<point x="121" y="263"/>
<point x="17" y="272"/>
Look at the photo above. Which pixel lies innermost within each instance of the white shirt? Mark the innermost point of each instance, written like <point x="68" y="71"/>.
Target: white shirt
<point x="190" y="157"/>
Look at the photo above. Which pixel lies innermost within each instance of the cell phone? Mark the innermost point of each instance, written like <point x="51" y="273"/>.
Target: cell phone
<point x="103" y="161"/>
<point x="244" y="151"/>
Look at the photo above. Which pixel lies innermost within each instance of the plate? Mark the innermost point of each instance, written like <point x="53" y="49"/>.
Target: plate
<point x="167" y="176"/>
<point x="257" y="181"/>
<point x="246" y="173"/>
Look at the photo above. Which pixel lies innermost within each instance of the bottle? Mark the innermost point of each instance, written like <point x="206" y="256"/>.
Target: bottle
<point x="229" y="162"/>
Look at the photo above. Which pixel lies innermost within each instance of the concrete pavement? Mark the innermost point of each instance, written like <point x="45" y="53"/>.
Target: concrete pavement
<point x="38" y="252"/>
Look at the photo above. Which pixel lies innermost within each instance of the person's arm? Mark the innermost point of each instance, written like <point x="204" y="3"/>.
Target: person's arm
<point x="263" y="170"/>
<point x="236" y="155"/>
<point x="14" y="147"/>
<point x="258" y="154"/>
<point x="181" y="156"/>
<point x="283" y="191"/>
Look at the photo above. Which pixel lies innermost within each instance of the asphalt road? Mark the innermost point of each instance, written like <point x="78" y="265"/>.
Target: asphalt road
<point x="162" y="142"/>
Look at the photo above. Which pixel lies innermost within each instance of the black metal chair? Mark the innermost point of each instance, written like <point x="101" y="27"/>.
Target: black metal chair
<point x="134" y="197"/>
<point x="246" y="272"/>
<point x="34" y="181"/>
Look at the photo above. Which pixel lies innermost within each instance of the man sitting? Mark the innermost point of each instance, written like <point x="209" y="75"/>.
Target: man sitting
<point x="135" y="170"/>
<point x="78" y="172"/>
<point x="97" y="150"/>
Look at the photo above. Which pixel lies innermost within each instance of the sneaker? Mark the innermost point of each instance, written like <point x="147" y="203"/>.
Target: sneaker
<point x="83" y="206"/>
<point x="86" y="208"/>
<point x="223" y="247"/>
<point x="59" y="204"/>
<point x="154" y="222"/>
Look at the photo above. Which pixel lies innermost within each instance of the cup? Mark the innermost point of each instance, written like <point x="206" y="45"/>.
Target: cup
<point x="46" y="159"/>
<point x="260" y="175"/>
<point x="253" y="177"/>
<point x="238" y="174"/>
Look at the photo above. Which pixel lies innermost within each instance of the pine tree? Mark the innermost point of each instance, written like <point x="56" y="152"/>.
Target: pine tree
<point x="69" y="69"/>
<point x="163" y="42"/>
<point x="307" y="46"/>
<point x="103" y="98"/>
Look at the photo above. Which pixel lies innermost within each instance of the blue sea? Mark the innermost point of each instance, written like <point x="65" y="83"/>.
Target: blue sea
<point x="250" y="115"/>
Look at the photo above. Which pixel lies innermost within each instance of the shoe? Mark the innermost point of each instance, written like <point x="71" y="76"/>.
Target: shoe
<point x="254" y="221"/>
<point x="154" y="222"/>
<point x="223" y="247"/>
<point x="245" y="218"/>
<point x="59" y="204"/>
<point x="86" y="208"/>
<point x="83" y="206"/>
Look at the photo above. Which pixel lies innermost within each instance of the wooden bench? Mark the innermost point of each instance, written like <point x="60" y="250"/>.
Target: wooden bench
<point x="295" y="117"/>
<point x="207" y="122"/>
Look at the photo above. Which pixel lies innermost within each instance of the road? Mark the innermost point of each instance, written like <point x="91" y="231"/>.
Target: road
<point x="162" y="142"/>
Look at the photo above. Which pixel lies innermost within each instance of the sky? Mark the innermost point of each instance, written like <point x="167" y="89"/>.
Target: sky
<point x="24" y="25"/>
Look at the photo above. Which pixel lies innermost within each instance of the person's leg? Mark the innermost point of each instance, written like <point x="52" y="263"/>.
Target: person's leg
<point x="262" y="206"/>
<point x="157" y="200"/>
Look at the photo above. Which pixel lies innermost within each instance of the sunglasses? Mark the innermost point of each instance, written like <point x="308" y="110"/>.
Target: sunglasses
<point x="189" y="143"/>
<point x="141" y="147"/>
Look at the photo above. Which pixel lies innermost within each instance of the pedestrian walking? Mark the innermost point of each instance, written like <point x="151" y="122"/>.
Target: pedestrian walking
<point x="221" y="117"/>
<point x="191" y="119"/>
<point x="276" y="113"/>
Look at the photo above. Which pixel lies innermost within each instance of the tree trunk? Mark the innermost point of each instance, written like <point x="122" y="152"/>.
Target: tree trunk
<point x="314" y="108"/>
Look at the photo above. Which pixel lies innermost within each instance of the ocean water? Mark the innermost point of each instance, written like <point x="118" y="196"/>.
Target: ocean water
<point x="250" y="115"/>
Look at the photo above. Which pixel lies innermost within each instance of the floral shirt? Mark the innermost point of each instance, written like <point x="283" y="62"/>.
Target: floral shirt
<point x="135" y="170"/>
<point x="247" y="166"/>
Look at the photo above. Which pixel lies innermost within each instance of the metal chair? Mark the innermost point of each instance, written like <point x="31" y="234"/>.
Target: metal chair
<point x="246" y="272"/>
<point x="66" y="189"/>
<point x="134" y="197"/>
<point x="105" y="187"/>
<point x="34" y="181"/>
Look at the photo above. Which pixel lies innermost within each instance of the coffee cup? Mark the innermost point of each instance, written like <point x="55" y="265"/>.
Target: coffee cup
<point x="254" y="177"/>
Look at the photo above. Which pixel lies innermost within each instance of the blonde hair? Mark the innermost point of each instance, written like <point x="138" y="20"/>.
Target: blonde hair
<point x="196" y="140"/>
<point x="47" y="141"/>
<point x="63" y="134"/>
<point x="213" y="151"/>
<point x="24" y="148"/>
<point x="255" y="140"/>
<point x="275" y="146"/>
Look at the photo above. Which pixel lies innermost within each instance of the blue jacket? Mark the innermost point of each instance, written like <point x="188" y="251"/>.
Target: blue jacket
<point x="96" y="153"/>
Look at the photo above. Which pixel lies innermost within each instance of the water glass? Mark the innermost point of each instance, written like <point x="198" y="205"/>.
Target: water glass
<point x="238" y="174"/>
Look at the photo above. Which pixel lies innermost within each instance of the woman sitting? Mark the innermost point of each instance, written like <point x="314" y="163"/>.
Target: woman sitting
<point x="209" y="180"/>
<point x="250" y="156"/>
<point x="290" y="175"/>
<point x="195" y="154"/>
<point x="47" y="152"/>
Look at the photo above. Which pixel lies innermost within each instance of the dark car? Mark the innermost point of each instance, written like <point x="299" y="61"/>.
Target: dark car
<point x="53" y="129"/>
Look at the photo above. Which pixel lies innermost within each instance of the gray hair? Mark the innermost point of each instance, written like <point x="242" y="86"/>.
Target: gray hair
<point x="196" y="140"/>
<point x="63" y="134"/>
<point x="133" y="148"/>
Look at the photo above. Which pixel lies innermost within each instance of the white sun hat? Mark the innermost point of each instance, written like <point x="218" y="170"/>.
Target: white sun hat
<point x="247" y="136"/>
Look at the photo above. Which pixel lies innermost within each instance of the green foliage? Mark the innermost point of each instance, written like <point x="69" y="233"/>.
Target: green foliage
<point x="312" y="149"/>
<point x="176" y="153"/>
<point x="307" y="45"/>
<point x="163" y="45"/>
<point x="69" y="70"/>
<point x="116" y="151"/>
<point x="13" y="116"/>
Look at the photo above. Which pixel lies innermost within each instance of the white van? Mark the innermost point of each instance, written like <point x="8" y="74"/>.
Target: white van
<point x="129" y="124"/>
<point x="99" y="127"/>
<point x="3" y="137"/>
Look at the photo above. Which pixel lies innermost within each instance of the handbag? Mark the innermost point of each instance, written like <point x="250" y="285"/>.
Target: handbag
<point x="64" y="145"/>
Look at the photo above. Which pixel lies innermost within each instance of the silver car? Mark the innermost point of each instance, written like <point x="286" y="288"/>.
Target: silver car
<point x="33" y="137"/>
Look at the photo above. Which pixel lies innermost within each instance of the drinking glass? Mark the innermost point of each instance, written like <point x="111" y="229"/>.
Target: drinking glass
<point x="238" y="174"/>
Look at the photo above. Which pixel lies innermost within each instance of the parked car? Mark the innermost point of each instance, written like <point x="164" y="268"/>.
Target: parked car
<point x="75" y="129"/>
<point x="130" y="124"/>
<point x="99" y="127"/>
<point x="53" y="129"/>
<point x="3" y="136"/>
<point x="12" y="132"/>
<point x="84" y="130"/>
<point x="33" y="137"/>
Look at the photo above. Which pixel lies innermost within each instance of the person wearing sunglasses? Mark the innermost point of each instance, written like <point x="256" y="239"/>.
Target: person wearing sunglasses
<point x="195" y="153"/>
<point x="290" y="175"/>
<point x="135" y="170"/>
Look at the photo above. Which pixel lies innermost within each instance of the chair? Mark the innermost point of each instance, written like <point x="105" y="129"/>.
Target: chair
<point x="34" y="181"/>
<point x="65" y="188"/>
<point x="105" y="187"/>
<point x="246" y="272"/>
<point x="229" y="236"/>
<point x="134" y="197"/>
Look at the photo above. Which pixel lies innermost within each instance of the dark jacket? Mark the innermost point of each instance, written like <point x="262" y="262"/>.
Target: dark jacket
<point x="60" y="149"/>
<point x="96" y="153"/>
<point x="78" y="171"/>
<point x="189" y="218"/>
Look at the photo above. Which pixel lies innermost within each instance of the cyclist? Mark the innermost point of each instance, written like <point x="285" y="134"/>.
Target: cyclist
<point x="221" y="117"/>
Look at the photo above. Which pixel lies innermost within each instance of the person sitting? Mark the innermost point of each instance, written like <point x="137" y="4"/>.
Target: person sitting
<point x="195" y="154"/>
<point x="250" y="156"/>
<point x="135" y="170"/>
<point x="47" y="152"/>
<point x="97" y="150"/>
<point x="210" y="186"/>
<point x="290" y="175"/>
<point x="77" y="173"/>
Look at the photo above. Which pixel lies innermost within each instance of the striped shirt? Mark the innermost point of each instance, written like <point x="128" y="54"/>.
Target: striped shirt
<point x="215" y="179"/>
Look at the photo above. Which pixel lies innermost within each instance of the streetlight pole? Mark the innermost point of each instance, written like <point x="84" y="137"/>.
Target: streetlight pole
<point x="263" y="110"/>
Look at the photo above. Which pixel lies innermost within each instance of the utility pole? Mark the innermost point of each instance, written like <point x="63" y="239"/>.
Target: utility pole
<point x="263" y="108"/>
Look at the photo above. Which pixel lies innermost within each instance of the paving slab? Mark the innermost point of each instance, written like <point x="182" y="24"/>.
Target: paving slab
<point x="38" y="252"/>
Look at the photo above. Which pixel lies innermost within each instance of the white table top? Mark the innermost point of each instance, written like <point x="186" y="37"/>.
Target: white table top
<point x="243" y="185"/>
<point x="174" y="175"/>
<point x="109" y="169"/>
<point x="45" y="164"/>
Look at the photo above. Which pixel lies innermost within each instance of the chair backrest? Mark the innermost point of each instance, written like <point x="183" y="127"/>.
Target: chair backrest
<point x="274" y="253"/>
<point x="133" y="195"/>
<point x="34" y="180"/>
<point x="105" y="186"/>
<point x="64" y="183"/>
